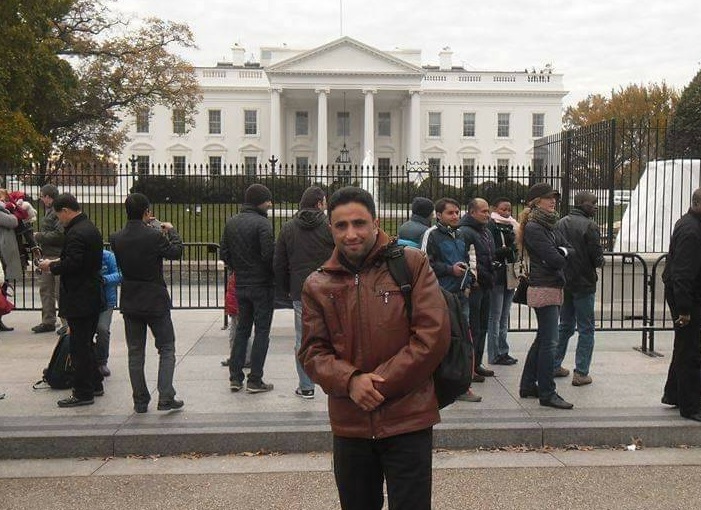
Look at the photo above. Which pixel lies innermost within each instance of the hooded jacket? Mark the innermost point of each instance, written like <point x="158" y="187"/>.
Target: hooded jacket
<point x="478" y="235"/>
<point x="445" y="246"/>
<point x="410" y="232"/>
<point x="358" y="323"/>
<point x="304" y="243"/>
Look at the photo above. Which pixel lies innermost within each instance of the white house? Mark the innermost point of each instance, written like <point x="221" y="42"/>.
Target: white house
<point x="304" y="106"/>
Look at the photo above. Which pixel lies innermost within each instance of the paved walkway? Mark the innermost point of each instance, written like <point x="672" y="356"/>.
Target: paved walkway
<point x="622" y="404"/>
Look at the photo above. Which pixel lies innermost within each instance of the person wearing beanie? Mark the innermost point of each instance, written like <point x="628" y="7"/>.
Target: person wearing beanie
<point x="411" y="232"/>
<point x="304" y="244"/>
<point x="247" y="247"/>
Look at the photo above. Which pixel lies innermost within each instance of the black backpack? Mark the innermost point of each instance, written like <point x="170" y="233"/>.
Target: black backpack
<point x="59" y="374"/>
<point x="454" y="374"/>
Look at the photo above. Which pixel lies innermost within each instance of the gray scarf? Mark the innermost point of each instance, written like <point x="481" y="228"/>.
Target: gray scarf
<point x="543" y="217"/>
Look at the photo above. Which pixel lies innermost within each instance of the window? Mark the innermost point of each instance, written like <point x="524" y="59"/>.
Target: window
<point x="250" y="163"/>
<point x="468" y="124"/>
<point x="343" y="124"/>
<point x="214" y="165"/>
<point x="250" y="122"/>
<point x="214" y="122"/>
<point x="384" y="124"/>
<point x="142" y="165"/>
<point x="302" y="164"/>
<point x="434" y="166"/>
<point x="383" y="167"/>
<point x="538" y="125"/>
<point x="468" y="171"/>
<point x="179" y="122"/>
<point x="503" y="120"/>
<point x="434" y="124"/>
<point x="143" y="118"/>
<point x="502" y="170"/>
<point x="178" y="165"/>
<point x="301" y="123"/>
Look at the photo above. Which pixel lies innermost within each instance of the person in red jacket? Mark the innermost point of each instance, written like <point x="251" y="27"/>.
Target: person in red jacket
<point x="374" y="362"/>
<point x="231" y="308"/>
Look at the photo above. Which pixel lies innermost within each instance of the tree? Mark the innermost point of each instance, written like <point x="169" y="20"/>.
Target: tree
<point x="70" y="72"/>
<point x="685" y="133"/>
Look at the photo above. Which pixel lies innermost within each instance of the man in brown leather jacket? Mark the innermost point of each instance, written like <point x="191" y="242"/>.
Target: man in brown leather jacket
<point x="375" y="365"/>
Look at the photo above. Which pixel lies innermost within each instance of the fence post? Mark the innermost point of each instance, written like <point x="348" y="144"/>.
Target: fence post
<point x="611" y="205"/>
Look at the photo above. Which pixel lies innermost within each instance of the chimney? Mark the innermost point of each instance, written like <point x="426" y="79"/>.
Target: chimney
<point x="238" y="55"/>
<point x="445" y="58"/>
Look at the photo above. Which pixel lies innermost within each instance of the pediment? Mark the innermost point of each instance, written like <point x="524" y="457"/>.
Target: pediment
<point x="344" y="56"/>
<point x="434" y="149"/>
<point x="504" y="151"/>
<point x="142" y="147"/>
<point x="469" y="149"/>
<point x="178" y="147"/>
<point x="214" y="147"/>
<point x="250" y="148"/>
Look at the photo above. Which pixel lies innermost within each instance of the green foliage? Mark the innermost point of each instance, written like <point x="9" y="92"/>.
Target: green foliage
<point x="685" y="136"/>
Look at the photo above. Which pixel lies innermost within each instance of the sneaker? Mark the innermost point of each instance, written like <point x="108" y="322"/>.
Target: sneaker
<point x="477" y="377"/>
<point x="43" y="328"/>
<point x="74" y="401"/>
<point x="580" y="379"/>
<point x="561" y="372"/>
<point x="308" y="394"/>
<point x="469" y="396"/>
<point x="258" y="387"/>
<point x="225" y="362"/>
<point x="140" y="408"/>
<point x="504" y="359"/>
<point x="235" y="386"/>
<point x="170" y="405"/>
<point x="484" y="372"/>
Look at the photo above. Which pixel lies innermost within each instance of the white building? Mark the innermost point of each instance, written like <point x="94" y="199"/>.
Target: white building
<point x="303" y="106"/>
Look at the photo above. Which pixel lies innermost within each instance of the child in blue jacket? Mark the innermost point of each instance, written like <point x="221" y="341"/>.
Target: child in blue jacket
<point x="111" y="277"/>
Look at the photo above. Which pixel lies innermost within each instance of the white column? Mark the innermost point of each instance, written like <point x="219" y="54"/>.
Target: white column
<point x="275" y="124"/>
<point x="369" y="138"/>
<point x="415" y="127"/>
<point x="322" y="156"/>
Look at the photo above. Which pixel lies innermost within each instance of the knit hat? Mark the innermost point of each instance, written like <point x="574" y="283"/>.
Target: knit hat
<point x="422" y="206"/>
<point x="256" y="194"/>
<point x="541" y="190"/>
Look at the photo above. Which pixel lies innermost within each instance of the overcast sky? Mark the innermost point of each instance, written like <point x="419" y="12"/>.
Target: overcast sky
<point x="596" y="44"/>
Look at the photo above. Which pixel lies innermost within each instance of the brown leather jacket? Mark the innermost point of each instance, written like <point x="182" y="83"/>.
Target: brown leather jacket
<point x="358" y="322"/>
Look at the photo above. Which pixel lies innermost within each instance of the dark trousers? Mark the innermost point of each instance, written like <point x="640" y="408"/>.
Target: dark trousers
<point x="256" y="305"/>
<point x="538" y="368"/>
<point x="87" y="378"/>
<point x="479" y="321"/>
<point x="404" y="461"/>
<point x="683" y="385"/>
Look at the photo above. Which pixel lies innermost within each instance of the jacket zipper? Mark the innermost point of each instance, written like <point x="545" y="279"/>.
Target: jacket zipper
<point x="357" y="291"/>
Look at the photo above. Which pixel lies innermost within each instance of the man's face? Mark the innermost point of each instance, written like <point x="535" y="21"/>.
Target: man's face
<point x="63" y="217"/>
<point x="47" y="201"/>
<point x="265" y="206"/>
<point x="450" y="216"/>
<point x="354" y="231"/>
<point x="589" y="206"/>
<point x="481" y="212"/>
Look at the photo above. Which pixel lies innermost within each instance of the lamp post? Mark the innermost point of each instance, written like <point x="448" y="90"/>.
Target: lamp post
<point x="133" y="160"/>
<point x="273" y="162"/>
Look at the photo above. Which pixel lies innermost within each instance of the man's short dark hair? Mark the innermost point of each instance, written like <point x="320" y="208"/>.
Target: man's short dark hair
<point x="350" y="194"/>
<point x="66" y="201"/>
<point x="311" y="197"/>
<point x="583" y="197"/>
<point x="442" y="203"/>
<point x="472" y="204"/>
<point x="136" y="205"/>
<point x="49" y="190"/>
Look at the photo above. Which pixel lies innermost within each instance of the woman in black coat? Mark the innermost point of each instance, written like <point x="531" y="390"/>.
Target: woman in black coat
<point x="547" y="253"/>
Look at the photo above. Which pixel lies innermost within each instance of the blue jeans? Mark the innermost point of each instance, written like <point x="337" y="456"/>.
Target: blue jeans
<point x="135" y="331"/>
<point x="538" y="368"/>
<point x="305" y="383"/>
<point x="256" y="306"/>
<point x="577" y="309"/>
<point x="499" y="313"/>
<point x="102" y="338"/>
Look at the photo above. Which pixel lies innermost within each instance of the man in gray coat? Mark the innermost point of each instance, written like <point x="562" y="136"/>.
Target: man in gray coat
<point x="50" y="239"/>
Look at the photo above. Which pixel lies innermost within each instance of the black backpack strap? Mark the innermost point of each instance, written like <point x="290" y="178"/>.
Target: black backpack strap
<point x="398" y="268"/>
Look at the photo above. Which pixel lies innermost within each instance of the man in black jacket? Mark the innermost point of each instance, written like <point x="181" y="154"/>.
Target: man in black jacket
<point x="410" y="233"/>
<point x="474" y="227"/>
<point x="140" y="248"/>
<point x="682" y="280"/>
<point x="304" y="244"/>
<point x="80" y="295"/>
<point x="247" y="247"/>
<point x="580" y="230"/>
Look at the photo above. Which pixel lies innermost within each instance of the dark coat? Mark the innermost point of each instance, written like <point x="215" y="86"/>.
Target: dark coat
<point x="682" y="271"/>
<point x="546" y="262"/>
<point x="247" y="247"/>
<point x="79" y="267"/>
<point x="583" y="234"/>
<point x="505" y="244"/>
<point x="304" y="243"/>
<point x="478" y="235"/>
<point x="411" y="232"/>
<point x="140" y="251"/>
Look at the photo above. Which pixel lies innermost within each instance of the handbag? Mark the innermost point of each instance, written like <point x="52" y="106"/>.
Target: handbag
<point x="6" y="306"/>
<point x="521" y="294"/>
<point x="512" y="269"/>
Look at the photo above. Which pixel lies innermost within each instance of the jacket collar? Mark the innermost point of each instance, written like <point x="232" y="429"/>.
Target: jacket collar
<point x="253" y="209"/>
<point x="76" y="219"/>
<point x="420" y="219"/>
